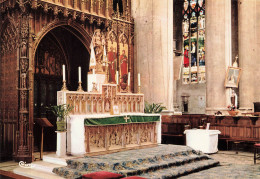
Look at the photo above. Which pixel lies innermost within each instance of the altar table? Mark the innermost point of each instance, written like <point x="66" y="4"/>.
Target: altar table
<point x="203" y="140"/>
<point x="101" y="133"/>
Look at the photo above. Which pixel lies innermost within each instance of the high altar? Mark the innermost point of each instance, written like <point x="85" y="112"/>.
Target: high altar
<point x="109" y="117"/>
<point x="91" y="128"/>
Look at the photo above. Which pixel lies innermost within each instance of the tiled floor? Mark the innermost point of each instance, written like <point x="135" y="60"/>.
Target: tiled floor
<point x="232" y="165"/>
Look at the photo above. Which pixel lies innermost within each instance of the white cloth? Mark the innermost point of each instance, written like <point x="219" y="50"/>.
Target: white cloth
<point x="203" y="140"/>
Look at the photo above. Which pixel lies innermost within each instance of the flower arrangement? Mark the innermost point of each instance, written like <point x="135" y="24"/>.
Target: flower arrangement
<point x="231" y="107"/>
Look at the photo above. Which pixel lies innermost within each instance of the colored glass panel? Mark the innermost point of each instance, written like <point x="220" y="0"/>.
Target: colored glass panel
<point x="193" y="41"/>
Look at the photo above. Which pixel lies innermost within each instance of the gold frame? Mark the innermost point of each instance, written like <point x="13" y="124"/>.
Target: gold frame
<point x="232" y="77"/>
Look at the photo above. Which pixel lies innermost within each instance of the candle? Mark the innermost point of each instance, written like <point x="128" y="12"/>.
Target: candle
<point x="79" y="74"/>
<point x="117" y="77"/>
<point x="128" y="78"/>
<point x="139" y="80"/>
<point x="93" y="71"/>
<point x="63" y="72"/>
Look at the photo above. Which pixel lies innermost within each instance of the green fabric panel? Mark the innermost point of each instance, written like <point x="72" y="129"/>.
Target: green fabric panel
<point x="120" y="120"/>
<point x="104" y="121"/>
<point x="144" y="118"/>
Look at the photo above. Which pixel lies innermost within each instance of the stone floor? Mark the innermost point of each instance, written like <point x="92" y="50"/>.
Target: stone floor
<point x="232" y="165"/>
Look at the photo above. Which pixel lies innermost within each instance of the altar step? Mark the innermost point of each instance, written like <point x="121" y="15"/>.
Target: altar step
<point x="163" y="161"/>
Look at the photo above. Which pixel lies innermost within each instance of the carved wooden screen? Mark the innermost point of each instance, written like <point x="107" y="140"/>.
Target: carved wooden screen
<point x="48" y="78"/>
<point x="8" y="91"/>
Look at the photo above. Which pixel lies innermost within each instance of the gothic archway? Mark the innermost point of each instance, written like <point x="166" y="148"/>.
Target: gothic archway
<point x="61" y="45"/>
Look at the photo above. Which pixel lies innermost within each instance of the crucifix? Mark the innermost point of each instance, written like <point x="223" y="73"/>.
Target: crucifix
<point x="126" y="118"/>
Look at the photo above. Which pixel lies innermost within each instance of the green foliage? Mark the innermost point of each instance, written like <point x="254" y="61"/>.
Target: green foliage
<point x="61" y="111"/>
<point x="153" y="108"/>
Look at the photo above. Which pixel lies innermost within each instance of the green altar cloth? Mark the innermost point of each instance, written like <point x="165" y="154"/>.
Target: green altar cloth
<point x="119" y="120"/>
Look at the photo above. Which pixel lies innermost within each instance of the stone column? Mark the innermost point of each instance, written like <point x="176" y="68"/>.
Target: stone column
<point x="154" y="49"/>
<point x="218" y="53"/>
<point x="248" y="32"/>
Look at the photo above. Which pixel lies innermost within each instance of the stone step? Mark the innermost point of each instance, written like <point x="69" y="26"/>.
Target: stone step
<point x="177" y="171"/>
<point x="136" y="169"/>
<point x="91" y="163"/>
<point x="139" y="162"/>
<point x="129" y="171"/>
<point x="44" y="166"/>
<point x="36" y="174"/>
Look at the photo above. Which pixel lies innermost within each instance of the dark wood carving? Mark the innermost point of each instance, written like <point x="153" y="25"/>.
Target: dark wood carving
<point x="8" y="87"/>
<point x="24" y="135"/>
<point x="23" y="25"/>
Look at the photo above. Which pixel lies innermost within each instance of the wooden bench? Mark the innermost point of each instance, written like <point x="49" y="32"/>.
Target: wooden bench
<point x="237" y="134"/>
<point x="174" y="129"/>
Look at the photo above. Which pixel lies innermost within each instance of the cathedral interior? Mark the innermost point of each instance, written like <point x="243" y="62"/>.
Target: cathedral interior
<point x="198" y="59"/>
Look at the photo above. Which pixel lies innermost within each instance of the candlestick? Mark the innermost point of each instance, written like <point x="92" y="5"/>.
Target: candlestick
<point x="64" y="87"/>
<point x="93" y="71"/>
<point x="80" y="87"/>
<point x="117" y="77"/>
<point x="79" y="74"/>
<point x="128" y="78"/>
<point x="139" y="80"/>
<point x="63" y="72"/>
<point x="139" y="89"/>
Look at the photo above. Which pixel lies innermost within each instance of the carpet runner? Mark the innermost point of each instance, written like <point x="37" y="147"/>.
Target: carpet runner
<point x="162" y="161"/>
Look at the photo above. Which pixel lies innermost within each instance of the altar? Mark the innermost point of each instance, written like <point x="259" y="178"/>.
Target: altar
<point x="88" y="134"/>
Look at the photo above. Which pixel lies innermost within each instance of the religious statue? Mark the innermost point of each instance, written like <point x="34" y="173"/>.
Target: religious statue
<point x="23" y="49"/>
<point x="112" y="65"/>
<point x="235" y="64"/>
<point x="123" y="64"/>
<point x="98" y="43"/>
<point x="233" y="99"/>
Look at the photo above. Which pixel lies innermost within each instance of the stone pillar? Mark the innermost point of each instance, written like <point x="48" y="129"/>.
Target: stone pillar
<point x="248" y="36"/>
<point x="154" y="49"/>
<point x="218" y="54"/>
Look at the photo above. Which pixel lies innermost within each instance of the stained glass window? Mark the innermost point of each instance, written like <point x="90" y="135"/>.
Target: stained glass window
<point x="193" y="41"/>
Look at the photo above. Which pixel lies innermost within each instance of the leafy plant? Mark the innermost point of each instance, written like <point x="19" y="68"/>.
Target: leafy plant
<point x="61" y="111"/>
<point x="153" y="108"/>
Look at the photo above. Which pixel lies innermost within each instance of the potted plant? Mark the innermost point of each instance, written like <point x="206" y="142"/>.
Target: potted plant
<point x="153" y="108"/>
<point x="232" y="110"/>
<point x="61" y="112"/>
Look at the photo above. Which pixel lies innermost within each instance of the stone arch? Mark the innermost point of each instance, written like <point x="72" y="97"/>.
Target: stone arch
<point x="71" y="26"/>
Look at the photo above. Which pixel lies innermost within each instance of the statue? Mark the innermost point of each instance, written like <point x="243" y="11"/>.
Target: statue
<point x="235" y="64"/>
<point x="98" y="43"/>
<point x="233" y="99"/>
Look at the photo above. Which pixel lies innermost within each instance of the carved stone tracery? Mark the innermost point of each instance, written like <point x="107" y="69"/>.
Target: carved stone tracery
<point x="114" y="137"/>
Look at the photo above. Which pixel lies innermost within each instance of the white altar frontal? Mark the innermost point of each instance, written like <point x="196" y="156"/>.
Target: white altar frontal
<point x="203" y="140"/>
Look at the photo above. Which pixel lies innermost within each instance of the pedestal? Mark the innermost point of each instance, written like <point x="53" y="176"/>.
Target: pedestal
<point x="61" y="143"/>
<point x="96" y="78"/>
